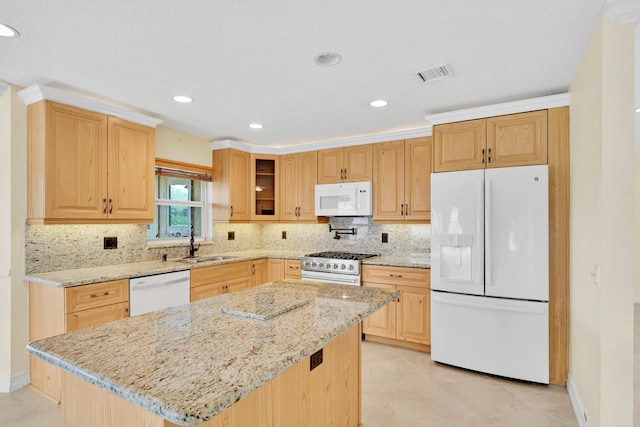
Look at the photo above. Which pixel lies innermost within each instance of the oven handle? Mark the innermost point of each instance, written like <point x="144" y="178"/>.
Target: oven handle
<point x="349" y="281"/>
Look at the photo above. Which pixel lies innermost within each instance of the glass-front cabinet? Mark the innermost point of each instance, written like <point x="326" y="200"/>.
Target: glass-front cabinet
<point x="265" y="188"/>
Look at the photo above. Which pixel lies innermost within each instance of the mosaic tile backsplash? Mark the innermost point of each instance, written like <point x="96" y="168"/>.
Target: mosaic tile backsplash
<point x="66" y="247"/>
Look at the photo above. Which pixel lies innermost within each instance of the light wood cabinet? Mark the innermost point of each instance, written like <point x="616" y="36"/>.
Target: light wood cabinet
<point x="348" y="164"/>
<point x="402" y="180"/>
<point x="258" y="272"/>
<point x="214" y="280"/>
<point x="511" y="140"/>
<point x="275" y="269"/>
<point x="264" y="187"/>
<point x="55" y="311"/>
<point x="231" y="185"/>
<point x="299" y="173"/>
<point x="406" y="321"/>
<point x="86" y="167"/>
<point x="292" y="269"/>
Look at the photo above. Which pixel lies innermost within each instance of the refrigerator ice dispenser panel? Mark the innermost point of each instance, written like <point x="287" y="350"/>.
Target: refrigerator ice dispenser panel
<point x="455" y="257"/>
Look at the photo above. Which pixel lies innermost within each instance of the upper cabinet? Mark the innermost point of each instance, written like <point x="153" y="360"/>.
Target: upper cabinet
<point x="402" y="180"/>
<point x="265" y="170"/>
<point x="298" y="173"/>
<point x="348" y="164"/>
<point x="511" y="140"/>
<point x="231" y="185"/>
<point x="87" y="167"/>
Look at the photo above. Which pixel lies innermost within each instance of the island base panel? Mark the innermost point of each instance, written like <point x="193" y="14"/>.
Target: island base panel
<point x="425" y="348"/>
<point x="327" y="395"/>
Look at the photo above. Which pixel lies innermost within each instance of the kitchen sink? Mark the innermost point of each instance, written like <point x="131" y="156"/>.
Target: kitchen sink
<point x="205" y="258"/>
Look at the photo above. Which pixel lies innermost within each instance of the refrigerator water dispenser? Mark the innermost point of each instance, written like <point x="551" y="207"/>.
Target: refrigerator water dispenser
<point x="455" y="257"/>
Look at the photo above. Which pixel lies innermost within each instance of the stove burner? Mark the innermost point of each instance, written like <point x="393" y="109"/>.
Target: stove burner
<point x="340" y="255"/>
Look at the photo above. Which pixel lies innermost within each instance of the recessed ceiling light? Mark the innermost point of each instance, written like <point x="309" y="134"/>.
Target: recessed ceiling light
<point x="378" y="103"/>
<point x="256" y="126"/>
<point x="7" y="31"/>
<point x="328" y="59"/>
<point x="182" y="98"/>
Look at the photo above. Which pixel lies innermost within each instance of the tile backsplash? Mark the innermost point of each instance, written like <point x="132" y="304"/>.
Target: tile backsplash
<point x="66" y="247"/>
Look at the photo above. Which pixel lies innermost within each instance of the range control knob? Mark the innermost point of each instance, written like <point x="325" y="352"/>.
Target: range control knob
<point x="350" y="266"/>
<point x="335" y="266"/>
<point x="313" y="264"/>
<point x="320" y="264"/>
<point x="306" y="263"/>
<point x="328" y="266"/>
<point x="343" y="267"/>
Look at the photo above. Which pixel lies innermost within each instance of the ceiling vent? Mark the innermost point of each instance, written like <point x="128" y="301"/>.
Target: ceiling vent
<point x="438" y="72"/>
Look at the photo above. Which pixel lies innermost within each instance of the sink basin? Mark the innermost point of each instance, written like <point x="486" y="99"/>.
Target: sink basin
<point x="205" y="258"/>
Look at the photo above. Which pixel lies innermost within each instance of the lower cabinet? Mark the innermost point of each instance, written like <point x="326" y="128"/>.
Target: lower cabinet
<point x="210" y="281"/>
<point x="275" y="269"/>
<point x="292" y="269"/>
<point x="258" y="272"/>
<point x="55" y="311"/>
<point x="406" y="321"/>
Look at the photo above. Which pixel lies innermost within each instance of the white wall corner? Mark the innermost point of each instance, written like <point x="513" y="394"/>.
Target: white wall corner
<point x="3" y="86"/>
<point x="9" y="384"/>
<point x="623" y="11"/>
<point x="578" y="409"/>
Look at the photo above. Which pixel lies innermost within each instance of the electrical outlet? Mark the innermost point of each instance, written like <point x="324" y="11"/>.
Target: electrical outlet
<point x="284" y="234"/>
<point x="315" y="360"/>
<point x="110" y="243"/>
<point x="231" y="235"/>
<point x="385" y="237"/>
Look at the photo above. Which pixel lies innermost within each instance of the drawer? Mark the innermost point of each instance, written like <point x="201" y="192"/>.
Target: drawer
<point x="292" y="268"/>
<point x="96" y="295"/>
<point x="207" y="291"/>
<point x="97" y="316"/>
<point x="218" y="273"/>
<point x="405" y="276"/>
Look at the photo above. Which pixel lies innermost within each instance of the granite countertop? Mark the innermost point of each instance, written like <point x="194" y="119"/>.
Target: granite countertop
<point x="85" y="276"/>
<point x="188" y="363"/>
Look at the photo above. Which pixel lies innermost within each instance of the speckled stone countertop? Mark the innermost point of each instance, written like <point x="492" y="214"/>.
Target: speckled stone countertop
<point x="84" y="276"/>
<point x="188" y="363"/>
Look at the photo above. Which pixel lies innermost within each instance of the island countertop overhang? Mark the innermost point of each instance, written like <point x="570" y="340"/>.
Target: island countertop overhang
<point x="189" y="363"/>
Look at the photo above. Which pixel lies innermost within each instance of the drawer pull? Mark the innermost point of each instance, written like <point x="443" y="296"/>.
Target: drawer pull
<point x="396" y="275"/>
<point x="96" y="295"/>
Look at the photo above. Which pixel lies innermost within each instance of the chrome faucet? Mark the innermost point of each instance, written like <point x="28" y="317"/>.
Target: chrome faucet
<point x="192" y="248"/>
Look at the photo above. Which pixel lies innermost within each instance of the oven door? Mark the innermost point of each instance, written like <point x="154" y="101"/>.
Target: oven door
<point x="342" y="279"/>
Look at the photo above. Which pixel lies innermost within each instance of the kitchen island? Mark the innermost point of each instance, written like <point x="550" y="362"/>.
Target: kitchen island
<point x="281" y="354"/>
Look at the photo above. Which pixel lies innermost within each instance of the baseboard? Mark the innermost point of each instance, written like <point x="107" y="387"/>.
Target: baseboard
<point x="581" y="414"/>
<point x="636" y="299"/>
<point x="14" y="382"/>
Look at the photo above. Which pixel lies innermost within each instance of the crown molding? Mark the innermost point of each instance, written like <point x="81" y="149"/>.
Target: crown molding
<point x="623" y="11"/>
<point x="346" y="142"/>
<point x="37" y="93"/>
<point x="553" y="101"/>
<point x="3" y="86"/>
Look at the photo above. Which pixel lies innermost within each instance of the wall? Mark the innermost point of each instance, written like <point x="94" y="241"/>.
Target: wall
<point x="182" y="147"/>
<point x="14" y="330"/>
<point x="601" y="316"/>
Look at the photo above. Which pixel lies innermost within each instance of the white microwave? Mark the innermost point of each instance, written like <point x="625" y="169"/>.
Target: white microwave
<point x="345" y="199"/>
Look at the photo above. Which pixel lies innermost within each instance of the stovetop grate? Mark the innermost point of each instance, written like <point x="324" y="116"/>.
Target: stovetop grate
<point x="340" y="255"/>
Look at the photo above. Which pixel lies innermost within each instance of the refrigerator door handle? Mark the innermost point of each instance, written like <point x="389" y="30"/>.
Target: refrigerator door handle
<point x="487" y="236"/>
<point x="443" y="300"/>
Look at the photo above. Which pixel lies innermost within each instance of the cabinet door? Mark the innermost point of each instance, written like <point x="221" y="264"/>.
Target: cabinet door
<point x="307" y="177"/>
<point x="382" y="323"/>
<point x="417" y="184"/>
<point x="131" y="171"/>
<point x="259" y="272"/>
<point x="414" y="319"/>
<point x="388" y="181"/>
<point x="358" y="163"/>
<point x="275" y="269"/>
<point x="78" y="298"/>
<point x="96" y="316"/>
<point x="207" y="291"/>
<point x="264" y="187"/>
<point x="76" y="164"/>
<point x="517" y="140"/>
<point x="459" y="146"/>
<point x="239" y="186"/>
<point x="330" y="165"/>
<point x="289" y="183"/>
<point x="238" y="284"/>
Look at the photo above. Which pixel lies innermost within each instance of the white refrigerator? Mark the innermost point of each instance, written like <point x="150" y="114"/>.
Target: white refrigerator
<point x="490" y="271"/>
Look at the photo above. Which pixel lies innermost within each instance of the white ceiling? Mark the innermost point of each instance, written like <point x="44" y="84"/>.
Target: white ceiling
<point x="252" y="61"/>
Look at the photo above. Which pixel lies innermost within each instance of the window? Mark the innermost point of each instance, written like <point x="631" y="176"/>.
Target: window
<point x="181" y="202"/>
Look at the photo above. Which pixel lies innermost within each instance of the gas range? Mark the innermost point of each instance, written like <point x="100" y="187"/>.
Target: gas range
<point x="344" y="263"/>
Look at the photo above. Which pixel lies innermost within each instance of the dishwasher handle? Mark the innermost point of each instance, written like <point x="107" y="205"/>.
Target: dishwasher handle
<point x="140" y="285"/>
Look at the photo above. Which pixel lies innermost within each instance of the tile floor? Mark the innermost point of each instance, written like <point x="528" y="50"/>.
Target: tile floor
<point x="401" y="388"/>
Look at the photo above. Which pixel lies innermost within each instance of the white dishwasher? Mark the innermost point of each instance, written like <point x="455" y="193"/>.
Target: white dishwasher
<point x="151" y="293"/>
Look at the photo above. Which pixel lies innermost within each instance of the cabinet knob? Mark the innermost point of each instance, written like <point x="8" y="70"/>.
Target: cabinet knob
<point x="231" y="207"/>
<point x="483" y="156"/>
<point x="489" y="155"/>
<point x="110" y="205"/>
<point x="104" y="206"/>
